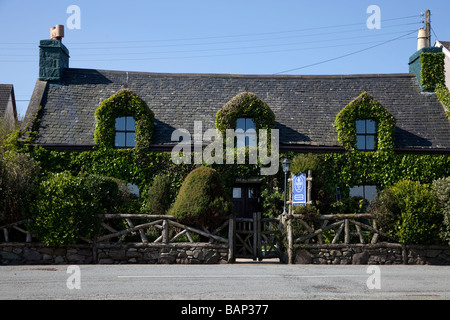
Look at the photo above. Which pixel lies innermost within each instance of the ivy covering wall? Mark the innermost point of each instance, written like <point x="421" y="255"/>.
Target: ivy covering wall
<point x="121" y="104"/>
<point x="247" y="105"/>
<point x="432" y="71"/>
<point x="365" y="107"/>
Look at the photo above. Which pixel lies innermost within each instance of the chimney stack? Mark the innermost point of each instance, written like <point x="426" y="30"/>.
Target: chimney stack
<point x="53" y="56"/>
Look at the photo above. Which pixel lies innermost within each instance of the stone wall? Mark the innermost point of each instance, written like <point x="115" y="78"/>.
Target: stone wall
<point x="380" y="253"/>
<point x="183" y="253"/>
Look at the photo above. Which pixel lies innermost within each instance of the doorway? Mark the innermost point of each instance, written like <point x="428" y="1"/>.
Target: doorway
<point x="246" y="199"/>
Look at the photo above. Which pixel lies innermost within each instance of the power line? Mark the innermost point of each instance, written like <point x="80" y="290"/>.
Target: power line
<point x="345" y="55"/>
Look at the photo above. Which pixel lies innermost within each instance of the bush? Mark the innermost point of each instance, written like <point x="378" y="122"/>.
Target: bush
<point x="159" y="195"/>
<point x="442" y="189"/>
<point x="67" y="207"/>
<point x="408" y="211"/>
<point x="202" y="200"/>
<point x="18" y="185"/>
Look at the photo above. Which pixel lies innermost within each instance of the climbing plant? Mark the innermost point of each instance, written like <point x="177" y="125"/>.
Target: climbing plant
<point x="248" y="105"/>
<point x="123" y="103"/>
<point x="432" y="72"/>
<point x="365" y="107"/>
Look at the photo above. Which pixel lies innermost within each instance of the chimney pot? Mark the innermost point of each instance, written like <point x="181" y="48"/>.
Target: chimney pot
<point x="421" y="39"/>
<point x="57" y="33"/>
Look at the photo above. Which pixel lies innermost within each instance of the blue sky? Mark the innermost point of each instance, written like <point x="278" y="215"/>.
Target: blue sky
<point x="209" y="36"/>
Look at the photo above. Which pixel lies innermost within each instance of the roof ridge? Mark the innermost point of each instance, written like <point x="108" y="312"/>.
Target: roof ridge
<point x="231" y="75"/>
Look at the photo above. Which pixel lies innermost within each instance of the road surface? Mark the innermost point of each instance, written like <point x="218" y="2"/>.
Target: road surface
<point x="244" y="280"/>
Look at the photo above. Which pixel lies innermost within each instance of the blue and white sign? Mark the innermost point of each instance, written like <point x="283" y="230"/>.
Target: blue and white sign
<point x="299" y="189"/>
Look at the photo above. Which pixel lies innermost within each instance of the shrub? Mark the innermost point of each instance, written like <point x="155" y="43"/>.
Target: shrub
<point x="18" y="185"/>
<point x="202" y="200"/>
<point x="408" y="210"/>
<point x="442" y="189"/>
<point x="67" y="207"/>
<point x="159" y="195"/>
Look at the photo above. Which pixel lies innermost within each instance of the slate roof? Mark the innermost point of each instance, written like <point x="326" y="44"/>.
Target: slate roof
<point x="5" y="94"/>
<point x="305" y="106"/>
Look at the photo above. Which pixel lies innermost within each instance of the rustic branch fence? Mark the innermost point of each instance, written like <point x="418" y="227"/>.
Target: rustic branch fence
<point x="343" y="228"/>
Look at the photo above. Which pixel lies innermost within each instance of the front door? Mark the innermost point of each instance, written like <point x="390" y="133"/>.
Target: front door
<point x="246" y="199"/>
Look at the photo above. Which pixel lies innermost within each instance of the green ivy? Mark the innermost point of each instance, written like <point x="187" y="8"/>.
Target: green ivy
<point x="365" y="107"/>
<point x="432" y="72"/>
<point x="121" y="104"/>
<point x="248" y="105"/>
<point x="443" y="94"/>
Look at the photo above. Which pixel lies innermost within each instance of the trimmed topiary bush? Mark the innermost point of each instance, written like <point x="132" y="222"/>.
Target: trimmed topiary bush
<point x="67" y="207"/>
<point x="202" y="200"/>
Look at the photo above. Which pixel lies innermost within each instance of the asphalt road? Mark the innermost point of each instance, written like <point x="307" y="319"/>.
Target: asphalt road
<point x="243" y="281"/>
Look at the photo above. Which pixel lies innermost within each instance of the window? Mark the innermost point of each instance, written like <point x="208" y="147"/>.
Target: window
<point x="367" y="192"/>
<point x="245" y="132"/>
<point x="125" y="132"/>
<point x="237" y="193"/>
<point x="366" y="135"/>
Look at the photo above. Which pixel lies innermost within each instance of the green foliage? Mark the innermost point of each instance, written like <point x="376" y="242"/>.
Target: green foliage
<point x="67" y="207"/>
<point x="443" y="95"/>
<point x="19" y="175"/>
<point x="123" y="103"/>
<point x="18" y="185"/>
<point x="442" y="189"/>
<point x="272" y="195"/>
<point x="365" y="107"/>
<point x="432" y="72"/>
<point x="408" y="211"/>
<point x="245" y="105"/>
<point x="159" y="195"/>
<point x="202" y="200"/>
<point x="304" y="162"/>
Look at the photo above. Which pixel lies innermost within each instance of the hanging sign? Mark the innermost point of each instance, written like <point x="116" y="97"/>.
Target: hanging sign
<point x="299" y="189"/>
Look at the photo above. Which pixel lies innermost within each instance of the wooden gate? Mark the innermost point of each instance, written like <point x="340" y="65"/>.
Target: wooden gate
<point x="257" y="237"/>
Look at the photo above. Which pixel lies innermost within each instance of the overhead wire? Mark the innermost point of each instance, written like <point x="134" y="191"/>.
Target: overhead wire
<point x="214" y="46"/>
<point x="345" y="55"/>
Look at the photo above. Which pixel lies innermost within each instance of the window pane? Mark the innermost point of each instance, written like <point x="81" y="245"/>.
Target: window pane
<point x="250" y="124"/>
<point x="360" y="126"/>
<point x="120" y="139"/>
<point x="240" y="124"/>
<point x="237" y="193"/>
<point x="250" y="140"/>
<point x="252" y="193"/>
<point x="371" y="126"/>
<point x="120" y="123"/>
<point x="370" y="142"/>
<point x="131" y="124"/>
<point x="361" y="142"/>
<point x="240" y="140"/>
<point x="357" y="191"/>
<point x="131" y="139"/>
<point x="370" y="192"/>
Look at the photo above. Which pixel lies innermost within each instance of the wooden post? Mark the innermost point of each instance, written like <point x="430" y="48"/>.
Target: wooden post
<point x="346" y="231"/>
<point x="5" y="233"/>
<point x="309" y="181"/>
<point x="255" y="235"/>
<point x="290" y="238"/>
<point x="258" y="240"/>
<point x="165" y="232"/>
<point x="231" y="242"/>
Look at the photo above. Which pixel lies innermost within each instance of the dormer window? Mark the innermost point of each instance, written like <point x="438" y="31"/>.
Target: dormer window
<point x="366" y="135"/>
<point x="125" y="132"/>
<point x="245" y="132"/>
